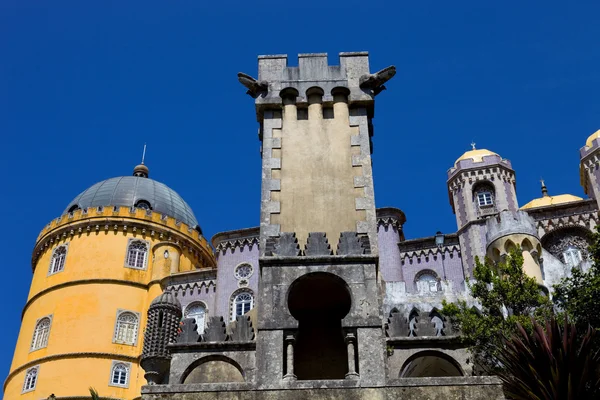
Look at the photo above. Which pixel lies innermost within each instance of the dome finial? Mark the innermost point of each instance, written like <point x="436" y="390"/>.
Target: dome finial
<point x="544" y="189"/>
<point x="473" y="145"/>
<point x="141" y="170"/>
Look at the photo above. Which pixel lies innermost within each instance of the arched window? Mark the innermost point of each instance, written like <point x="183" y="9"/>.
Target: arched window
<point x="572" y="256"/>
<point x="119" y="375"/>
<point x="57" y="262"/>
<point x="242" y="303"/>
<point x="143" y="204"/>
<point x="198" y="312"/>
<point x="41" y="334"/>
<point x="137" y="254"/>
<point x="484" y="197"/>
<point x="126" y="328"/>
<point x="30" y="379"/>
<point x="429" y="280"/>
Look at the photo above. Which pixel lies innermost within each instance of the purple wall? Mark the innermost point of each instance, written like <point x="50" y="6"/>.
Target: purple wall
<point x="430" y="259"/>
<point x="227" y="260"/>
<point x="389" y="253"/>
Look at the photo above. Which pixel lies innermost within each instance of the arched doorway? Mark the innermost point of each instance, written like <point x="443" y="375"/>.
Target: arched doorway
<point x="430" y="364"/>
<point x="319" y="301"/>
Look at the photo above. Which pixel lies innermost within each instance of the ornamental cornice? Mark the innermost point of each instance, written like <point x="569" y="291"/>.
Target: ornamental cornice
<point x="472" y="176"/>
<point x="191" y="288"/>
<point x="197" y="246"/>
<point x="389" y="221"/>
<point x="236" y="243"/>
<point x="113" y="356"/>
<point x="430" y="252"/>
<point x="584" y="220"/>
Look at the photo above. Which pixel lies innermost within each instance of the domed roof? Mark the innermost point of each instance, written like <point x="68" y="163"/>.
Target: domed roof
<point x="551" y="201"/>
<point x="166" y="298"/>
<point x="128" y="191"/>
<point x="476" y="155"/>
<point x="591" y="138"/>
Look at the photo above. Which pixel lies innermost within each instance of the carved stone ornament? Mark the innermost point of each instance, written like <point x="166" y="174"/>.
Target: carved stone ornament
<point x="286" y="245"/>
<point x="242" y="330"/>
<point x="561" y="240"/>
<point x="188" y="331"/>
<point x="397" y="325"/>
<point x="215" y="330"/>
<point x="351" y="244"/>
<point x="317" y="245"/>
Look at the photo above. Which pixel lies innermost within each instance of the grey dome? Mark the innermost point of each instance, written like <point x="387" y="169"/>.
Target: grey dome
<point x="165" y="299"/>
<point x="129" y="190"/>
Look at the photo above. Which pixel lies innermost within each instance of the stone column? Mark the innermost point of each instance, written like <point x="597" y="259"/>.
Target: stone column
<point x="289" y="347"/>
<point x="350" y="341"/>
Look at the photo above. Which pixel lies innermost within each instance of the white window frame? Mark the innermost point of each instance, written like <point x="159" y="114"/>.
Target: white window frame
<point x="234" y="302"/>
<point x="487" y="196"/>
<point x="35" y="340"/>
<point x="113" y="366"/>
<point x="136" y="328"/>
<point x="433" y="284"/>
<point x="186" y="314"/>
<point x="53" y="259"/>
<point x="572" y="256"/>
<point x="36" y="373"/>
<point x="130" y="242"/>
<point x="239" y="266"/>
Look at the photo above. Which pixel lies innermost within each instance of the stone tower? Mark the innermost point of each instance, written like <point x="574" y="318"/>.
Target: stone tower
<point x="315" y="126"/>
<point x="480" y="184"/>
<point x="319" y="295"/>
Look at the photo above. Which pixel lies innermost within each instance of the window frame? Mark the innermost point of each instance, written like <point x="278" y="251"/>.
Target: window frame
<point x="52" y="258"/>
<point x="35" y="330"/>
<point x="36" y="370"/>
<point x="239" y="266"/>
<point x="435" y="282"/>
<point x="136" y="328"/>
<point x="201" y="304"/>
<point x="234" y="296"/>
<point x="130" y="242"/>
<point x="485" y="195"/>
<point x="113" y="366"/>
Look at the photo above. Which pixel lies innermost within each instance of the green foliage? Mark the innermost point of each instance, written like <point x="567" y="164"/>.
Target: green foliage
<point x="579" y="295"/>
<point x="94" y="394"/>
<point x="508" y="297"/>
<point x="549" y="363"/>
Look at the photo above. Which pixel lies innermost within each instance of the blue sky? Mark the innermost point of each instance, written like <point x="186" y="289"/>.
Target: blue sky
<point x="83" y="86"/>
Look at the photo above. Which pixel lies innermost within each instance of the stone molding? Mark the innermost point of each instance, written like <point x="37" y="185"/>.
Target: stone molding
<point x="584" y="220"/>
<point x="418" y="255"/>
<point x="233" y="244"/>
<point x="198" y="246"/>
<point x="183" y="289"/>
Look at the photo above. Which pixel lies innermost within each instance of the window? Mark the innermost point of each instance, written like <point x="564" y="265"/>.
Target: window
<point x="243" y="271"/>
<point x="57" y="262"/>
<point x="126" y="328"/>
<point x="41" y="334"/>
<point x="143" y="204"/>
<point x="572" y="256"/>
<point x="485" y="198"/>
<point x="137" y="253"/>
<point x="242" y="303"/>
<point x="119" y="374"/>
<point x="198" y="312"/>
<point x="30" y="379"/>
<point x="430" y="281"/>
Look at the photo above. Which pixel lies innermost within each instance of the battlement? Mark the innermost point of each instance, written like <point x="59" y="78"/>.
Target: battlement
<point x="104" y="213"/>
<point x="351" y="77"/>
<point x="510" y="223"/>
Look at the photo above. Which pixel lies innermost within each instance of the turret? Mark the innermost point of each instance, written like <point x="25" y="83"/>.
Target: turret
<point x="164" y="315"/>
<point x="509" y="230"/>
<point x="588" y="168"/>
<point x="480" y="184"/>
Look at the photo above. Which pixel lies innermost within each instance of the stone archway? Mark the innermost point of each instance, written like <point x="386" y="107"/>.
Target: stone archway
<point x="319" y="301"/>
<point x="430" y="364"/>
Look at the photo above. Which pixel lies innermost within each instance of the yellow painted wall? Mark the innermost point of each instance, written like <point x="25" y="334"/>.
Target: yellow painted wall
<point x="317" y="178"/>
<point x="84" y="312"/>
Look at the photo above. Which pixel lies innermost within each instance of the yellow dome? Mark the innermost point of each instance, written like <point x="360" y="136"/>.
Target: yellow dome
<point x="590" y="139"/>
<point x="551" y="201"/>
<point x="476" y="155"/>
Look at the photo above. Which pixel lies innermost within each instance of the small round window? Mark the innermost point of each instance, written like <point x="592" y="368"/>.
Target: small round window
<point x="143" y="204"/>
<point x="243" y="271"/>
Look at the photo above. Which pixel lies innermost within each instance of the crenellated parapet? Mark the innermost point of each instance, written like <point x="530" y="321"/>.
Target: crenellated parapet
<point x="510" y="223"/>
<point x="103" y="219"/>
<point x="238" y="239"/>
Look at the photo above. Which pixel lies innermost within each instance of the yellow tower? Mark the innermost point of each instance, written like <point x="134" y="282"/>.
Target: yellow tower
<point x="96" y="269"/>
